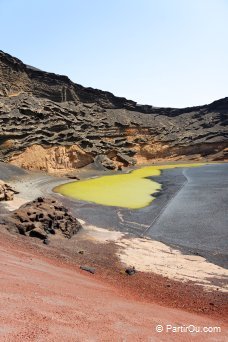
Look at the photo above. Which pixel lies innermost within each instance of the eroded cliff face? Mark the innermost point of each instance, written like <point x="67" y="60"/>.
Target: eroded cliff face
<point x="49" y="123"/>
<point x="55" y="159"/>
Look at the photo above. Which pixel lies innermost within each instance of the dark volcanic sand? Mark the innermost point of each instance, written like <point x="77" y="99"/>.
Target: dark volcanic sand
<point x="8" y="171"/>
<point x="196" y="218"/>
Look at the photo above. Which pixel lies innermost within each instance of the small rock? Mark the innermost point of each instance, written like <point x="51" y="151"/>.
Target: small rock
<point x="73" y="177"/>
<point x="46" y="241"/>
<point x="38" y="233"/>
<point x="88" y="269"/>
<point x="40" y="199"/>
<point x="9" y="196"/>
<point x="51" y="230"/>
<point x="81" y="252"/>
<point x="130" y="270"/>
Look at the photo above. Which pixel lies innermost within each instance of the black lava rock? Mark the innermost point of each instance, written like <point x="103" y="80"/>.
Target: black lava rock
<point x="130" y="270"/>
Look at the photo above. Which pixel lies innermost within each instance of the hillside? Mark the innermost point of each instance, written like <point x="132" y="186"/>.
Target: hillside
<point x="47" y="122"/>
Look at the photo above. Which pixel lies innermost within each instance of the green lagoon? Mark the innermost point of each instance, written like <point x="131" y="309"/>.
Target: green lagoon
<point x="132" y="190"/>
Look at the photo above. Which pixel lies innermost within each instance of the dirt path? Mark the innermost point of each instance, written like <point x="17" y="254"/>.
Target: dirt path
<point x="44" y="299"/>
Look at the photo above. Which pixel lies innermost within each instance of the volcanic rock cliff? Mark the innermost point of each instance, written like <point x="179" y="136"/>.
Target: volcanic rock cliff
<point x="47" y="122"/>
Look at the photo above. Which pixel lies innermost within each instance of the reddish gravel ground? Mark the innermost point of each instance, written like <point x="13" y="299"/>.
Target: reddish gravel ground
<point x="44" y="298"/>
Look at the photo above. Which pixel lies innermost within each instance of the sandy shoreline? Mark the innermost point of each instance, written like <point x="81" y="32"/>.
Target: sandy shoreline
<point x="151" y="256"/>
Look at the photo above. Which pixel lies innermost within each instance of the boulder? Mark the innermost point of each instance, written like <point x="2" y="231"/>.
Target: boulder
<point x="125" y="159"/>
<point x="39" y="233"/>
<point x="105" y="162"/>
<point x="43" y="218"/>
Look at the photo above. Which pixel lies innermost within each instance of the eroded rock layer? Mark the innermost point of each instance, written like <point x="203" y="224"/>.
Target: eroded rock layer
<point x="47" y="122"/>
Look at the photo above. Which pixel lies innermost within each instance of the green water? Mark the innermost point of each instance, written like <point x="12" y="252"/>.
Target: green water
<point x="132" y="190"/>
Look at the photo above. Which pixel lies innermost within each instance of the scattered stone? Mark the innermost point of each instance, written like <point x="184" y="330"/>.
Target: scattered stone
<point x="130" y="270"/>
<point x="88" y="269"/>
<point x="46" y="241"/>
<point x="81" y="252"/>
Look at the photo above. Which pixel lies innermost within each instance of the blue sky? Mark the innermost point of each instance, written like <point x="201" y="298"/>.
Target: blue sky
<point x="158" y="52"/>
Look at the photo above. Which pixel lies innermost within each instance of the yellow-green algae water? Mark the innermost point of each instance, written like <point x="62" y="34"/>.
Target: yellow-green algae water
<point x="132" y="190"/>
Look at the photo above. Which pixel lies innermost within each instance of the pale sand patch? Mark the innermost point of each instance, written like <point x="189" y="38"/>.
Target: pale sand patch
<point x="99" y="234"/>
<point x="16" y="203"/>
<point x="153" y="256"/>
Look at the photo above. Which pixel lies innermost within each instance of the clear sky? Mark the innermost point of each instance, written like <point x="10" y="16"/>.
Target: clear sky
<point x="158" y="52"/>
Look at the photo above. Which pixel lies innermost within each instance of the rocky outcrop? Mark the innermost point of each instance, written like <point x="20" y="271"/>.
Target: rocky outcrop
<point x="43" y="218"/>
<point x="48" y="122"/>
<point x="6" y="192"/>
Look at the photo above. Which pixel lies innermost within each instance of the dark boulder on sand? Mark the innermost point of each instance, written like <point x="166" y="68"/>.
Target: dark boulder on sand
<point x="42" y="218"/>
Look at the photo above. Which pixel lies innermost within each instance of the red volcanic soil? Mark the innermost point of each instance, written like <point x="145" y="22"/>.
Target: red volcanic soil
<point x="46" y="299"/>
